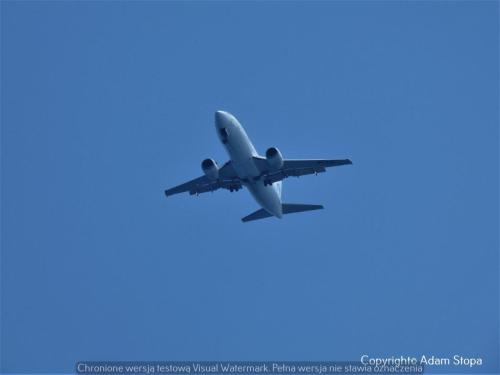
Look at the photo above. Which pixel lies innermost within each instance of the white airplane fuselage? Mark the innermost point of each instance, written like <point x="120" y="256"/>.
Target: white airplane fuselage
<point x="242" y="152"/>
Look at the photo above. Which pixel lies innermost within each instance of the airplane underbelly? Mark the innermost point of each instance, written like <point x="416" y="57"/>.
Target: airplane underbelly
<point x="243" y="163"/>
<point x="246" y="169"/>
<point x="241" y="152"/>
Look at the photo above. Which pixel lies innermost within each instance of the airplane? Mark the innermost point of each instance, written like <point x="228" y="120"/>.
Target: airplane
<point x="262" y="176"/>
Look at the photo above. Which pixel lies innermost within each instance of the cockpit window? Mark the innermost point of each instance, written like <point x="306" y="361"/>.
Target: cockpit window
<point x="223" y="134"/>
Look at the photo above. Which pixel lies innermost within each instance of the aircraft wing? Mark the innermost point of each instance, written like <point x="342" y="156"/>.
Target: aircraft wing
<point x="297" y="167"/>
<point x="227" y="180"/>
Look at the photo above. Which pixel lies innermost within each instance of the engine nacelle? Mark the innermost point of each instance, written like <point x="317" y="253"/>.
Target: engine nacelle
<point x="274" y="158"/>
<point x="210" y="168"/>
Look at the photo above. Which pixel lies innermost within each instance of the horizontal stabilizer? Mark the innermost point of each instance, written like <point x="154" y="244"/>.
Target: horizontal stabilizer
<point x="287" y="208"/>
<point x="259" y="214"/>
<point x="290" y="208"/>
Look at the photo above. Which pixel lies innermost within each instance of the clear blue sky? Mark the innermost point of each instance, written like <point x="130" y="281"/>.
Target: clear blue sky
<point x="106" y="104"/>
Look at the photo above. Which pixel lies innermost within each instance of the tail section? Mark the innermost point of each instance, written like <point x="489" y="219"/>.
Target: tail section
<point x="288" y="208"/>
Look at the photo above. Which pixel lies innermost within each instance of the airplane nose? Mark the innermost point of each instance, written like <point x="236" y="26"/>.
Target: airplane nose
<point x="220" y="118"/>
<point x="223" y="119"/>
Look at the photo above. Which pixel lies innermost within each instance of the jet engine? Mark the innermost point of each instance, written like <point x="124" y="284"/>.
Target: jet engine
<point x="274" y="158"/>
<point x="210" y="168"/>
